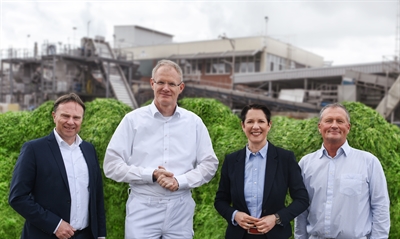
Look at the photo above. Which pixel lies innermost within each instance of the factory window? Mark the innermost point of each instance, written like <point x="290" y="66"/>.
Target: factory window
<point x="191" y="66"/>
<point x="243" y="64"/>
<point x="250" y="67"/>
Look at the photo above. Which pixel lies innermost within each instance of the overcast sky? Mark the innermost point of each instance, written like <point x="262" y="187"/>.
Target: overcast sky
<point x="345" y="32"/>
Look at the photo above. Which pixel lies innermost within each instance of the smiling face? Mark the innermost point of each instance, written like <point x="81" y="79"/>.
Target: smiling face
<point x="334" y="126"/>
<point x="68" y="119"/>
<point x="167" y="86"/>
<point x="256" y="128"/>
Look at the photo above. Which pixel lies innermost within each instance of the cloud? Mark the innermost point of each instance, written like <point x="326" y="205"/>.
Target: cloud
<point x="341" y="31"/>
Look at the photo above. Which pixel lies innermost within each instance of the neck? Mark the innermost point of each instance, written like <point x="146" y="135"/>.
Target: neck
<point x="166" y="110"/>
<point x="254" y="148"/>
<point x="332" y="148"/>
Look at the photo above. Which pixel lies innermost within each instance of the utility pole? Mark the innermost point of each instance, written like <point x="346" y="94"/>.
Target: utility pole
<point x="233" y="45"/>
<point x="88" y="29"/>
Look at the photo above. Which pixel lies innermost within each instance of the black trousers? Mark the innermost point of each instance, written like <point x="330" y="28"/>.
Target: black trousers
<point x="83" y="234"/>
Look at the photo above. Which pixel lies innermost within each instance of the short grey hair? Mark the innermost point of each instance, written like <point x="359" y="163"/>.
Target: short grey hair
<point x="167" y="63"/>
<point x="334" y="105"/>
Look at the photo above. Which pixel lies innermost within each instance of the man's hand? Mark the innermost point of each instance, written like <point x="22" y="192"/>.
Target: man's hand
<point x="161" y="172"/>
<point x="65" y="230"/>
<point x="169" y="183"/>
<point x="166" y="179"/>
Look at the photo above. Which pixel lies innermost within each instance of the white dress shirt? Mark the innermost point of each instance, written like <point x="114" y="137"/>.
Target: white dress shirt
<point x="78" y="181"/>
<point x="145" y="140"/>
<point x="348" y="195"/>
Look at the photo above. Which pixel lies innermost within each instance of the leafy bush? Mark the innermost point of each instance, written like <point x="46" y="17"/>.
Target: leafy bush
<point x="11" y="222"/>
<point x="369" y="131"/>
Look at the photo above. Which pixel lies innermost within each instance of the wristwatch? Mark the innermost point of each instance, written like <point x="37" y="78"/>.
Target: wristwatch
<point x="278" y="219"/>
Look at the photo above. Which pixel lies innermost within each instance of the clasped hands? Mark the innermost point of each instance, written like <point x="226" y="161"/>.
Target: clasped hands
<point x="166" y="179"/>
<point x="263" y="225"/>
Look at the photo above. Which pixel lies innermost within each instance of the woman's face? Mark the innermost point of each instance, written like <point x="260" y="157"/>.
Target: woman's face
<point x="256" y="126"/>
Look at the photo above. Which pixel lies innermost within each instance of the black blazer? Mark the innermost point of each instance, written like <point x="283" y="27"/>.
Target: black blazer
<point x="282" y="173"/>
<point x="40" y="193"/>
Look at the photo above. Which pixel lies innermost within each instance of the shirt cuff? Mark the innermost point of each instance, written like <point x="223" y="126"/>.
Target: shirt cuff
<point x="147" y="175"/>
<point x="57" y="226"/>
<point x="233" y="218"/>
<point x="182" y="182"/>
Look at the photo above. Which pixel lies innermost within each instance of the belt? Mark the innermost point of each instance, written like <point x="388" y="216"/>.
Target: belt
<point x="78" y="232"/>
<point x="254" y="231"/>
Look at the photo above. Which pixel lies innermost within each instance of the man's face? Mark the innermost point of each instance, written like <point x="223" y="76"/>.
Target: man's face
<point x="334" y="126"/>
<point x="166" y="95"/>
<point x="68" y="119"/>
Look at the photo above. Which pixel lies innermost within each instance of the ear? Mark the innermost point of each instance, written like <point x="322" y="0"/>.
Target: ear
<point x="181" y="87"/>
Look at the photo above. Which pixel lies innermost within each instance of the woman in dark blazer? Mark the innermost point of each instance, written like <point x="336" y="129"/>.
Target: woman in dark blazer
<point x="254" y="183"/>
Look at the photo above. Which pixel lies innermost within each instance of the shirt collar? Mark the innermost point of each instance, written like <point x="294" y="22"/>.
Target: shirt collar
<point x="60" y="141"/>
<point x="262" y="152"/>
<point x="154" y="111"/>
<point x="345" y="149"/>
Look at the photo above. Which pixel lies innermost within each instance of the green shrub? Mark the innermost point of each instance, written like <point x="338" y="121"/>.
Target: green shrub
<point x="11" y="222"/>
<point x="369" y="132"/>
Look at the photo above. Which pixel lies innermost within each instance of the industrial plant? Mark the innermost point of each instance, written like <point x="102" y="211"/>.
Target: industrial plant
<point x="236" y="71"/>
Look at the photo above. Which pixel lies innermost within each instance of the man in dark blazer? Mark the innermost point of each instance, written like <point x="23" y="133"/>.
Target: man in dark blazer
<point x="57" y="183"/>
<point x="282" y="173"/>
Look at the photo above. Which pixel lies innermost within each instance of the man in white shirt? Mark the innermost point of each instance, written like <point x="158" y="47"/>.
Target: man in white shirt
<point x="162" y="151"/>
<point x="346" y="186"/>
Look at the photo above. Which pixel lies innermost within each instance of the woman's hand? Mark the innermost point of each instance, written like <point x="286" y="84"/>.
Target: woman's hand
<point x="245" y="221"/>
<point x="265" y="224"/>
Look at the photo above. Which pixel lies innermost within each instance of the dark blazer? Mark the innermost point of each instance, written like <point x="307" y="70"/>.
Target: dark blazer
<point x="282" y="173"/>
<point x="40" y="193"/>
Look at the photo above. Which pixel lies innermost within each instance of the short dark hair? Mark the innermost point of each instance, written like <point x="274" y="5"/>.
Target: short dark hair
<point x="71" y="97"/>
<point x="257" y="107"/>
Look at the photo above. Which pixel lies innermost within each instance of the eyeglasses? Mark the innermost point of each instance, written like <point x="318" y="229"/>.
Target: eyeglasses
<point x="162" y="83"/>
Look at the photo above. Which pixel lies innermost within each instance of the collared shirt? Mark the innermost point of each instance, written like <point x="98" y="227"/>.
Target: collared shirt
<point x="348" y="195"/>
<point x="78" y="181"/>
<point x="254" y="178"/>
<point x="144" y="140"/>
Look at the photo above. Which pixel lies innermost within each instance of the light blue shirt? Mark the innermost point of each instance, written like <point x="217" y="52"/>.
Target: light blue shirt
<point x="254" y="177"/>
<point x="348" y="196"/>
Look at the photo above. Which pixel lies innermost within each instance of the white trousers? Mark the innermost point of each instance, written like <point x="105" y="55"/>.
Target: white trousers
<point x="159" y="217"/>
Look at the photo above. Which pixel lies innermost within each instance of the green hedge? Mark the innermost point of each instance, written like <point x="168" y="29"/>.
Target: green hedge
<point x="369" y="132"/>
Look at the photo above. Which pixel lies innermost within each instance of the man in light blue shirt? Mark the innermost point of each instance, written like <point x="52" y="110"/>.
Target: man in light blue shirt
<point x="346" y="186"/>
